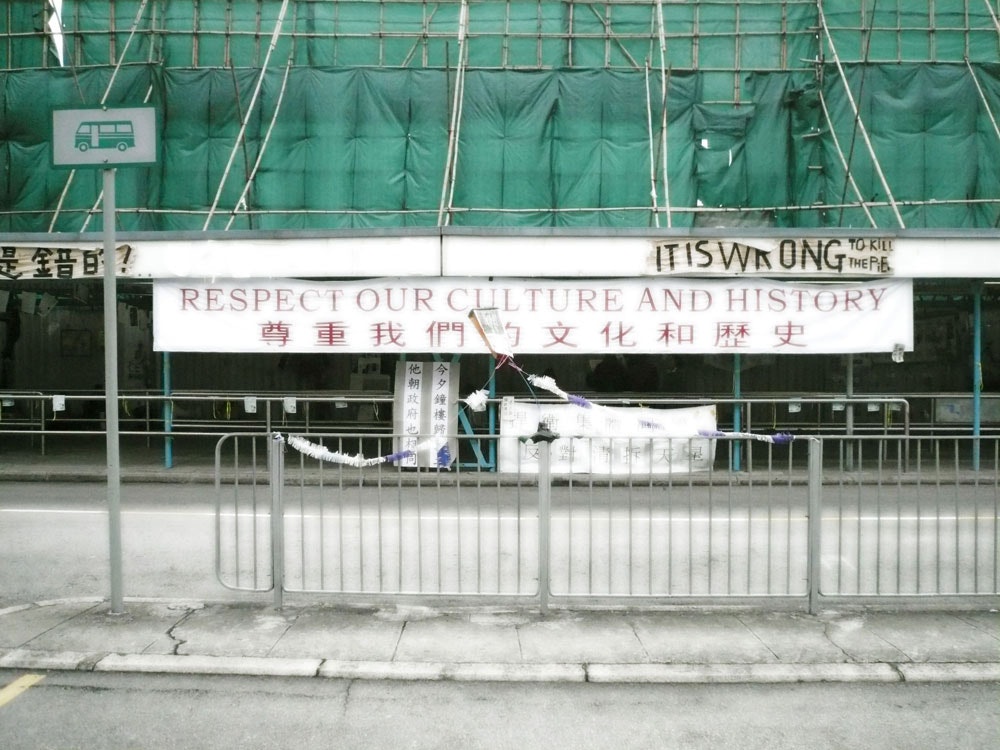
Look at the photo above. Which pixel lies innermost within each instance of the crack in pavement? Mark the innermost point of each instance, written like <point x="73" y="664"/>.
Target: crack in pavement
<point x="826" y="634"/>
<point x="178" y="642"/>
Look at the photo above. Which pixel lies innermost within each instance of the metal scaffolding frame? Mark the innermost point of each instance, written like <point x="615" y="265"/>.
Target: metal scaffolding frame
<point x="709" y="21"/>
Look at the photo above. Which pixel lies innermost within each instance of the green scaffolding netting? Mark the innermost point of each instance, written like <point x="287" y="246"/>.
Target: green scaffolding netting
<point x="789" y="113"/>
<point x="368" y="147"/>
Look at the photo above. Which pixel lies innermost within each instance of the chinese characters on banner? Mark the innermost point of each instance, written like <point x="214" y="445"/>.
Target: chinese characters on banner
<point x="425" y="406"/>
<point x="642" y="315"/>
<point x="63" y="263"/>
<point x="607" y="440"/>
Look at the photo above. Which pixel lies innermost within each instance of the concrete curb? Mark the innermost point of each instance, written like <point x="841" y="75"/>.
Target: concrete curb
<point x="668" y="674"/>
<point x="262" y="666"/>
<point x="735" y="673"/>
<point x="458" y="671"/>
<point x="951" y="672"/>
<point x="68" y="661"/>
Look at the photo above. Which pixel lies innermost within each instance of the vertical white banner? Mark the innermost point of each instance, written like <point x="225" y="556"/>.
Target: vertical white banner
<point x="407" y="408"/>
<point x="425" y="406"/>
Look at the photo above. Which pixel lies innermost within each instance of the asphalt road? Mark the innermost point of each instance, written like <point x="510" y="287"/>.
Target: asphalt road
<point x="89" y="710"/>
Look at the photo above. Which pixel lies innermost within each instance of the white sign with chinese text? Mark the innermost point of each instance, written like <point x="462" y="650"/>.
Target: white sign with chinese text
<point x="425" y="406"/>
<point x="400" y="315"/>
<point x="607" y="440"/>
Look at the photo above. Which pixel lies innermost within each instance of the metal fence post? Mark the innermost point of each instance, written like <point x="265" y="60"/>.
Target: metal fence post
<point x="276" y="469"/>
<point x="543" y="439"/>
<point x="814" y="521"/>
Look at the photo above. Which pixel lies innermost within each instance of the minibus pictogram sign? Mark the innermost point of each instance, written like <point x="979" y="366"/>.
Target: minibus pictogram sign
<point x="104" y="137"/>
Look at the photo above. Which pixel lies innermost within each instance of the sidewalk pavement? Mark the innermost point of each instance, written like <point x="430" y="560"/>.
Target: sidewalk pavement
<point x="418" y="643"/>
<point x="84" y="459"/>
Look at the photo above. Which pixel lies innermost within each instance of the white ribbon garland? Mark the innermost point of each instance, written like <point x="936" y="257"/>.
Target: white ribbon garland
<point x="322" y="453"/>
<point x="779" y="438"/>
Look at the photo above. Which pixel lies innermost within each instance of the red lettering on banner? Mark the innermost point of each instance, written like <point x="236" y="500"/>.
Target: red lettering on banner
<point x="532" y="298"/>
<point x="800" y="300"/>
<point x="395" y="299"/>
<point x="306" y="295"/>
<point x="787" y="331"/>
<point x="387" y="333"/>
<point x="676" y="333"/>
<point x="560" y="334"/>
<point x="693" y="300"/>
<point x="366" y="300"/>
<point x="238" y="300"/>
<point x="621" y="337"/>
<point x="732" y="335"/>
<point x="776" y="301"/>
<point x="852" y="298"/>
<point x="331" y="334"/>
<point x="282" y="301"/>
<point x="189" y="299"/>
<point x="436" y="333"/>
<point x="422" y="298"/>
<point x="586" y="299"/>
<point x="212" y="303"/>
<point x="275" y="333"/>
<point x="613" y="300"/>
<point x="450" y="300"/>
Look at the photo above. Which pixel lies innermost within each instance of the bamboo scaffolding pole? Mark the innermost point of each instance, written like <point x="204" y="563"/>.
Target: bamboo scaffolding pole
<point x="242" y="200"/>
<point x="642" y="210"/>
<point x="989" y="8"/>
<point x="451" y="159"/>
<point x="843" y="161"/>
<point x="982" y="97"/>
<point x="857" y="118"/>
<point x="652" y="154"/>
<point x="250" y="108"/>
<point x="664" y="88"/>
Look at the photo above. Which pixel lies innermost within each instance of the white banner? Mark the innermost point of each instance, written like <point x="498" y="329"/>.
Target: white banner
<point x="607" y="440"/>
<point x="396" y="315"/>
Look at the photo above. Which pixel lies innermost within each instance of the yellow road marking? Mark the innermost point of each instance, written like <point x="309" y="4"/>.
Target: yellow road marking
<point x="18" y="686"/>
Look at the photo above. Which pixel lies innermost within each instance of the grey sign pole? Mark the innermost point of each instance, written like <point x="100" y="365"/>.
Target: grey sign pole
<point x="103" y="138"/>
<point x="111" y="394"/>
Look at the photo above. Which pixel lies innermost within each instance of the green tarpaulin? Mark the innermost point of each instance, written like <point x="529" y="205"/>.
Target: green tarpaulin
<point x="543" y="114"/>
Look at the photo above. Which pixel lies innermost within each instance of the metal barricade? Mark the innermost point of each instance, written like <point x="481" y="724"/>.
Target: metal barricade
<point x="245" y="512"/>
<point x="799" y="529"/>
<point x="917" y="528"/>
<point x="377" y="531"/>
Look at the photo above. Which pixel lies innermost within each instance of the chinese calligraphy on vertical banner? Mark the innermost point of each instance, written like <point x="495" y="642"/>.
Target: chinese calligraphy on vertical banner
<point x="642" y="315"/>
<point x="425" y="406"/>
<point x="607" y="440"/>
